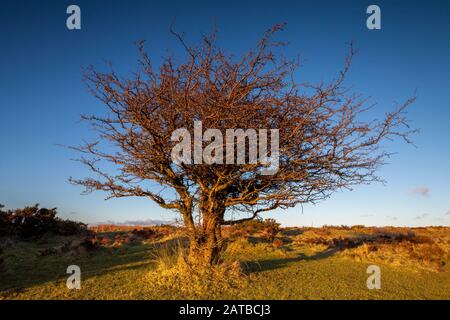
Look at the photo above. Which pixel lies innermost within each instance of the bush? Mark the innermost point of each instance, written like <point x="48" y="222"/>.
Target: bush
<point x="90" y="243"/>
<point x="33" y="222"/>
<point x="278" y="243"/>
<point x="70" y="228"/>
<point x="145" y="233"/>
<point x="5" y="222"/>
<point x="271" y="229"/>
<point x="268" y="228"/>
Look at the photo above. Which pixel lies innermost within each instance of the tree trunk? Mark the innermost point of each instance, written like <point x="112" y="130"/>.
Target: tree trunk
<point x="207" y="245"/>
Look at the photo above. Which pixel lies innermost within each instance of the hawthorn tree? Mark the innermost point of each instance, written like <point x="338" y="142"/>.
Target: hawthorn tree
<point x="324" y="145"/>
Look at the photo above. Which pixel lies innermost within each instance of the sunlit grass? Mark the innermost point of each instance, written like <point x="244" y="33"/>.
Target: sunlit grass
<point x="153" y="271"/>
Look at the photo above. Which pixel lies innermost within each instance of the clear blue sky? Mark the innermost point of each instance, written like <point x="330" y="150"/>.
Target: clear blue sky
<point x="42" y="94"/>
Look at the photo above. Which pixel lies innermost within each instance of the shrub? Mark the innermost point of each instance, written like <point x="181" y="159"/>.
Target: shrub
<point x="145" y="233"/>
<point x="244" y="229"/>
<point x="271" y="229"/>
<point x="5" y="222"/>
<point x="90" y="243"/>
<point x="268" y="228"/>
<point x="278" y="243"/>
<point x="70" y="228"/>
<point x="33" y="222"/>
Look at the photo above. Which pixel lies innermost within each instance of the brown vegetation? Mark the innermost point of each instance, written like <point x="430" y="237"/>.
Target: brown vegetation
<point x="419" y="248"/>
<point x="268" y="229"/>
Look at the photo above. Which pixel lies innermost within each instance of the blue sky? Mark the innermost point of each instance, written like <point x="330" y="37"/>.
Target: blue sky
<point x="42" y="94"/>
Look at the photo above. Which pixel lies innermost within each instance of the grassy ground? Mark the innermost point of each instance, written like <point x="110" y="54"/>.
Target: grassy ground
<point x="296" y="268"/>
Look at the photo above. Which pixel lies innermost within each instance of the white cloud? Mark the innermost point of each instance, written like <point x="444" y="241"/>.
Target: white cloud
<point x="421" y="191"/>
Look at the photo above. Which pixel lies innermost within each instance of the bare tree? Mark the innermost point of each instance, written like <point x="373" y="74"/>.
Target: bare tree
<point x="324" y="145"/>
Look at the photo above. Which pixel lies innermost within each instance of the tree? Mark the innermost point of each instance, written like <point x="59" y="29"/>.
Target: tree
<point x="324" y="146"/>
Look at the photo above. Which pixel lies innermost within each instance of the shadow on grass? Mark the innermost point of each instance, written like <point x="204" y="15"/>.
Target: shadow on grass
<point x="26" y="268"/>
<point x="272" y="264"/>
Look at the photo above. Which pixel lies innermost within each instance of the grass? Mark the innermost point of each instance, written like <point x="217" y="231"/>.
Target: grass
<point x="299" y="269"/>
